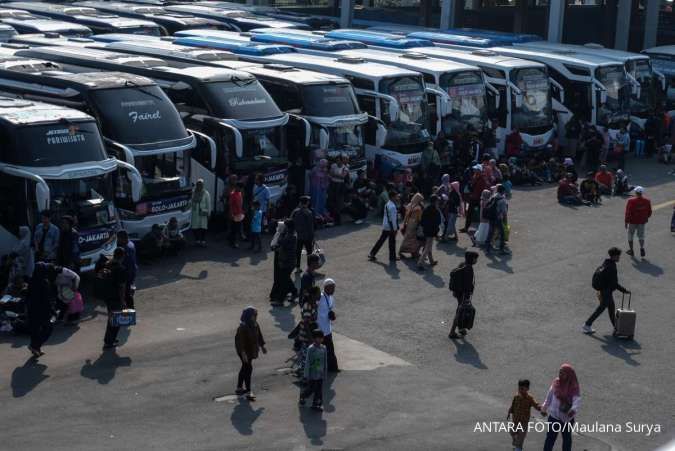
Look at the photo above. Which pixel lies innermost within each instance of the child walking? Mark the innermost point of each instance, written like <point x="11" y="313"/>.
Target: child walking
<point x="256" y="227"/>
<point x="520" y="413"/>
<point x="315" y="371"/>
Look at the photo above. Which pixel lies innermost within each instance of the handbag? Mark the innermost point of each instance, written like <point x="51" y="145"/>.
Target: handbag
<point x="319" y="252"/>
<point x="331" y="313"/>
<point x="124" y="318"/>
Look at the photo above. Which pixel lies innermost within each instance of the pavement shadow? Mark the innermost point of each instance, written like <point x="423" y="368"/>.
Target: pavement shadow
<point x="63" y="333"/>
<point x="284" y="317"/>
<point x="255" y="258"/>
<point x="314" y="425"/>
<point x="467" y="354"/>
<point x="620" y="348"/>
<point x="28" y="376"/>
<point x="329" y="393"/>
<point x="243" y="416"/>
<point x="104" y="368"/>
<point x="390" y="268"/>
<point x="647" y="267"/>
<point x="499" y="262"/>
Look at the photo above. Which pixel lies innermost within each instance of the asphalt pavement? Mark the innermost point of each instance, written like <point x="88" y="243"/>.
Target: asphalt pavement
<point x="404" y="384"/>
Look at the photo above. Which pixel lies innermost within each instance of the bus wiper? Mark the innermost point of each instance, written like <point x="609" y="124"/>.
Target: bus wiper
<point x="142" y="89"/>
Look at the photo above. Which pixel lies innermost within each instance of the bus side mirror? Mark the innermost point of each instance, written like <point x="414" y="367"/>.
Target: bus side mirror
<point x="519" y="100"/>
<point x="637" y="90"/>
<point x="393" y="111"/>
<point x="238" y="139"/>
<point x="445" y="105"/>
<point x="42" y="196"/>
<point x="323" y="138"/>
<point x="206" y="144"/>
<point x="380" y="135"/>
<point x="603" y="96"/>
<point x="134" y="178"/>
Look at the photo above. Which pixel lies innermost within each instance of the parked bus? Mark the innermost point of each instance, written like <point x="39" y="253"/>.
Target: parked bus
<point x="455" y="91"/>
<point x="53" y="158"/>
<point x="96" y="21"/>
<point x="597" y="89"/>
<point x="395" y="96"/>
<point x="170" y="21"/>
<point x="140" y="126"/>
<point x="25" y="22"/>
<point x="229" y="108"/>
<point x="652" y="83"/>
<point x="7" y="32"/>
<point x="663" y="59"/>
<point x="524" y="87"/>
<point x="239" y="20"/>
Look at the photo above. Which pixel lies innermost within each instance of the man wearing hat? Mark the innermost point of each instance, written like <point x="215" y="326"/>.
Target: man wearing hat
<point x="638" y="211"/>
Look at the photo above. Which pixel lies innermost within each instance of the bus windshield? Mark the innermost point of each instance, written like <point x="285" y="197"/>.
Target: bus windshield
<point x="264" y="144"/>
<point x="138" y="115"/>
<point x="467" y="101"/>
<point x="55" y="145"/>
<point x="164" y="173"/>
<point x="242" y="100"/>
<point x="329" y="100"/>
<point x="535" y="111"/>
<point x="342" y="140"/>
<point x="88" y="198"/>
<point x="411" y="126"/>
<point x="649" y="85"/>
<point x="615" y="111"/>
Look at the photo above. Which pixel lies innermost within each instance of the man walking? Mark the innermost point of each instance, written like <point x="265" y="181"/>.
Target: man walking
<point x="116" y="298"/>
<point x="389" y="228"/>
<point x="462" y="283"/>
<point x="283" y="285"/>
<point x="304" y="227"/>
<point x="130" y="265"/>
<point x="638" y="211"/>
<point x="606" y="280"/>
<point x="46" y="239"/>
<point x="497" y="211"/>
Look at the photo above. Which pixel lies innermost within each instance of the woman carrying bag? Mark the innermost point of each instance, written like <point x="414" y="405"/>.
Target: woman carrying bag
<point x="411" y="244"/>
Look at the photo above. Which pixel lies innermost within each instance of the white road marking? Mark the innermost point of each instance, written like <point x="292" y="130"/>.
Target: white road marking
<point x="356" y="356"/>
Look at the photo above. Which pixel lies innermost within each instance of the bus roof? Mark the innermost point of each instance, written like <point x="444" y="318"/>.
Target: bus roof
<point x="661" y="50"/>
<point x="49" y="39"/>
<point x="313" y="42"/>
<point x="233" y="15"/>
<point x="590" y="49"/>
<point x="237" y="47"/>
<point x="378" y="39"/>
<point x="456" y="39"/>
<point x="61" y="54"/>
<point x="47" y="25"/>
<point x="79" y="12"/>
<point x="556" y="56"/>
<point x="479" y="58"/>
<point x="18" y="112"/>
<point x="294" y="74"/>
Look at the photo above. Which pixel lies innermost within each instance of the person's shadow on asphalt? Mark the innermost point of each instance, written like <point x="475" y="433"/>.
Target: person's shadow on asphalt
<point x="466" y="353"/>
<point x="314" y="424"/>
<point x="243" y="416"/>
<point x="104" y="368"/>
<point x="329" y="393"/>
<point x="620" y="348"/>
<point x="647" y="267"/>
<point x="28" y="376"/>
<point x="390" y="268"/>
<point x="499" y="262"/>
<point x="284" y="317"/>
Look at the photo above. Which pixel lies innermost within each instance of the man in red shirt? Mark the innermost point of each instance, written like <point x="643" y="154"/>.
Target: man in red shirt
<point x="638" y="211"/>
<point x="478" y="184"/>
<point x="605" y="179"/>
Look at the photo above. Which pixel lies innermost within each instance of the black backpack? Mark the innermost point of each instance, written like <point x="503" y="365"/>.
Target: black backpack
<point x="599" y="281"/>
<point x="456" y="283"/>
<point x="491" y="209"/>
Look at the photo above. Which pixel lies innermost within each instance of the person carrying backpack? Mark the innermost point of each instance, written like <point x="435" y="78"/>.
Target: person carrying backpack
<point x="462" y="283"/>
<point x="605" y="281"/>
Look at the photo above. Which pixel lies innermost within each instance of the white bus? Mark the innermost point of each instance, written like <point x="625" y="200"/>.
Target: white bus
<point x="663" y="59"/>
<point x="524" y="87"/>
<point x="53" y="158"/>
<point x="395" y="96"/>
<point x="652" y="83"/>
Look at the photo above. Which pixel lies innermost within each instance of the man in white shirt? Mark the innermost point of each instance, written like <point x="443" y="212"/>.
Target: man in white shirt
<point x="389" y="228"/>
<point x="324" y="317"/>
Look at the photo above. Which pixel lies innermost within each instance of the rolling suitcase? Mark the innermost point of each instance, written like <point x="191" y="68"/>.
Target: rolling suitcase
<point x="624" y="320"/>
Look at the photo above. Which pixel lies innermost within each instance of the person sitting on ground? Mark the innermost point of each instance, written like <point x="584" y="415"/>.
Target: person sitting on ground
<point x="568" y="192"/>
<point x="570" y="168"/>
<point x="590" y="189"/>
<point x="605" y="180"/>
<point x="621" y="185"/>
<point x="152" y="244"/>
<point x="173" y="240"/>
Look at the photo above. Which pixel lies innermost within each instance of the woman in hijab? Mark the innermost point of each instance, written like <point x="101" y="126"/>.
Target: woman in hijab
<point x="481" y="234"/>
<point x="24" y="252"/>
<point x="319" y="181"/>
<point x="38" y="307"/>
<point x="411" y="245"/>
<point x="201" y="209"/>
<point x="562" y="404"/>
<point x="248" y="342"/>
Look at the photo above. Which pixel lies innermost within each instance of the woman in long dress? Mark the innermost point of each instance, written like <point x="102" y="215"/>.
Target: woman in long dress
<point x="480" y="237"/>
<point x="411" y="245"/>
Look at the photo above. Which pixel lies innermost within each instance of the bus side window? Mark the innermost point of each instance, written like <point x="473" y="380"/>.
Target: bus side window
<point x="13" y="208"/>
